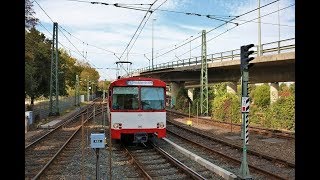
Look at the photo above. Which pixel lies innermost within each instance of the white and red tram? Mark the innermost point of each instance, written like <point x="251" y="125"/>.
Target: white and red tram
<point x="137" y="108"/>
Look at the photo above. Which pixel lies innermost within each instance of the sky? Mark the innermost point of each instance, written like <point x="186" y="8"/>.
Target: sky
<point x="104" y="34"/>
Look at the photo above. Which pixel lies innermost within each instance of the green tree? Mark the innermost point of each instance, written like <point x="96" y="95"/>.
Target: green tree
<point x="37" y="64"/>
<point x="88" y="74"/>
<point x="261" y="95"/>
<point x="29" y="19"/>
<point x="103" y="85"/>
<point x="69" y="69"/>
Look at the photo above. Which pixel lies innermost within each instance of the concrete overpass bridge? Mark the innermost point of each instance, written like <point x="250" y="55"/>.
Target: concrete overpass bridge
<point x="276" y="64"/>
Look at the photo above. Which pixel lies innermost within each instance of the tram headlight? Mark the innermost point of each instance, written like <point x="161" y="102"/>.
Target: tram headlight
<point x="117" y="125"/>
<point x="160" y="125"/>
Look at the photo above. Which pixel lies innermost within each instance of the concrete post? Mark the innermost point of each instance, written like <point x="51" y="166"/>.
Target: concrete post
<point x="25" y="125"/>
<point x="174" y="92"/>
<point x="274" y="92"/>
<point x="232" y="87"/>
<point x="190" y="93"/>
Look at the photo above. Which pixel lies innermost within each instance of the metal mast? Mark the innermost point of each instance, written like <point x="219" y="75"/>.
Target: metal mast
<point x="77" y="98"/>
<point x="54" y="88"/>
<point x="204" y="77"/>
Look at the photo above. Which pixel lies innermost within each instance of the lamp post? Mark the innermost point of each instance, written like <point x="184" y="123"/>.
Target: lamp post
<point x="190" y="46"/>
<point x="259" y="30"/>
<point x="88" y="95"/>
<point x="152" y="42"/>
<point x="279" y="19"/>
<point x="148" y="60"/>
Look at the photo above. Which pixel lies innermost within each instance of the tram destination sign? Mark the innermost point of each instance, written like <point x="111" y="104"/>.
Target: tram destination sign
<point x="140" y="83"/>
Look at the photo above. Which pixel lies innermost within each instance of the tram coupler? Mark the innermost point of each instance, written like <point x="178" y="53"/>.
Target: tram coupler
<point x="140" y="137"/>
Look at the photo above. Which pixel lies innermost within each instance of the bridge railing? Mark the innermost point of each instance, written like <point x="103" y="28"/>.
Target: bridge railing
<point x="276" y="47"/>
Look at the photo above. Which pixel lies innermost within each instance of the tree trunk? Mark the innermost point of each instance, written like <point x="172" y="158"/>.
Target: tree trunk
<point x="31" y="103"/>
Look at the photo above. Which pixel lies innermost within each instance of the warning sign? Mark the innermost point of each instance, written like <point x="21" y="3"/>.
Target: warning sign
<point x="245" y="104"/>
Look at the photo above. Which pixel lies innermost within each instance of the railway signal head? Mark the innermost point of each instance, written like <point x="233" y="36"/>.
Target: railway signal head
<point x="244" y="57"/>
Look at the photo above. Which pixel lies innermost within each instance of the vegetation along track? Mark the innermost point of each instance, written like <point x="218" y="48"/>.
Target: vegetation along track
<point x="40" y="153"/>
<point x="262" y="163"/>
<point x="252" y="129"/>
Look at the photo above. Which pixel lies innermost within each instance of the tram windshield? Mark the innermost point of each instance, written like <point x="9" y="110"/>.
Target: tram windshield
<point x="152" y="98"/>
<point x="125" y="98"/>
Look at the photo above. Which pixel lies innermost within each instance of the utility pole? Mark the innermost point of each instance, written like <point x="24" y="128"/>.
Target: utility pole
<point x="88" y="94"/>
<point x="103" y="91"/>
<point x="152" y="42"/>
<point x="279" y="18"/>
<point x="204" y="77"/>
<point x="244" y="69"/>
<point x="259" y="30"/>
<point x="54" y="86"/>
<point x="148" y="60"/>
<point x="190" y="46"/>
<point x="77" y="91"/>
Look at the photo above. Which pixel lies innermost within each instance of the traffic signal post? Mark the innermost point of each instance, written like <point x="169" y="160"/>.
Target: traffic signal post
<point x="245" y="102"/>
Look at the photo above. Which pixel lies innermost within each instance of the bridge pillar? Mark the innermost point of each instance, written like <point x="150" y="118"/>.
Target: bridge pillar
<point x="190" y="93"/>
<point x="274" y="90"/>
<point x="174" y="91"/>
<point x="232" y="87"/>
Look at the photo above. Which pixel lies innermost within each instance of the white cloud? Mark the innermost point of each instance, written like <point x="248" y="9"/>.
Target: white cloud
<point x="111" y="28"/>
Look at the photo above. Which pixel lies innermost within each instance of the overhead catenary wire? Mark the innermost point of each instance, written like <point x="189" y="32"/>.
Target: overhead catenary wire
<point x="58" y="40"/>
<point x="71" y="35"/>
<point x="137" y="29"/>
<point x="221" y="16"/>
<point x="152" y="10"/>
<point x="75" y="37"/>
<point x="215" y="17"/>
<point x="134" y="36"/>
<point x="62" y="33"/>
<point x="217" y="27"/>
<point x="176" y="46"/>
<point x="76" y="48"/>
<point x="108" y="4"/>
<point x="144" y="25"/>
<point x="238" y="26"/>
<point x="65" y="47"/>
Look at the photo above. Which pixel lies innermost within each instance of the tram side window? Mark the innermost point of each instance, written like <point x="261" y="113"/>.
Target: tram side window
<point x="152" y="98"/>
<point x="125" y="98"/>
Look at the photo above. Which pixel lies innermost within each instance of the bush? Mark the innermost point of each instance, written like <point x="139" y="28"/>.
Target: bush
<point x="226" y="107"/>
<point x="261" y="96"/>
<point x="257" y="116"/>
<point x="281" y="114"/>
<point x="182" y="100"/>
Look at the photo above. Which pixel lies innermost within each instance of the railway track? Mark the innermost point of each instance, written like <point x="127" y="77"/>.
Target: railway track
<point x="252" y="129"/>
<point x="155" y="163"/>
<point x="269" y="166"/>
<point x="40" y="153"/>
<point x="44" y="132"/>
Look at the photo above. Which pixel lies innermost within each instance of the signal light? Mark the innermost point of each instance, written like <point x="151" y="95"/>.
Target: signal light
<point x="244" y="57"/>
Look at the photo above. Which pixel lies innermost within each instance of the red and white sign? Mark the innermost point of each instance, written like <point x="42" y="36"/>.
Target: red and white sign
<point x="245" y="104"/>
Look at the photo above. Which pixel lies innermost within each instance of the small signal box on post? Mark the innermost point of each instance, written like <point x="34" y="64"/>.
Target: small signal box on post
<point x="97" y="140"/>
